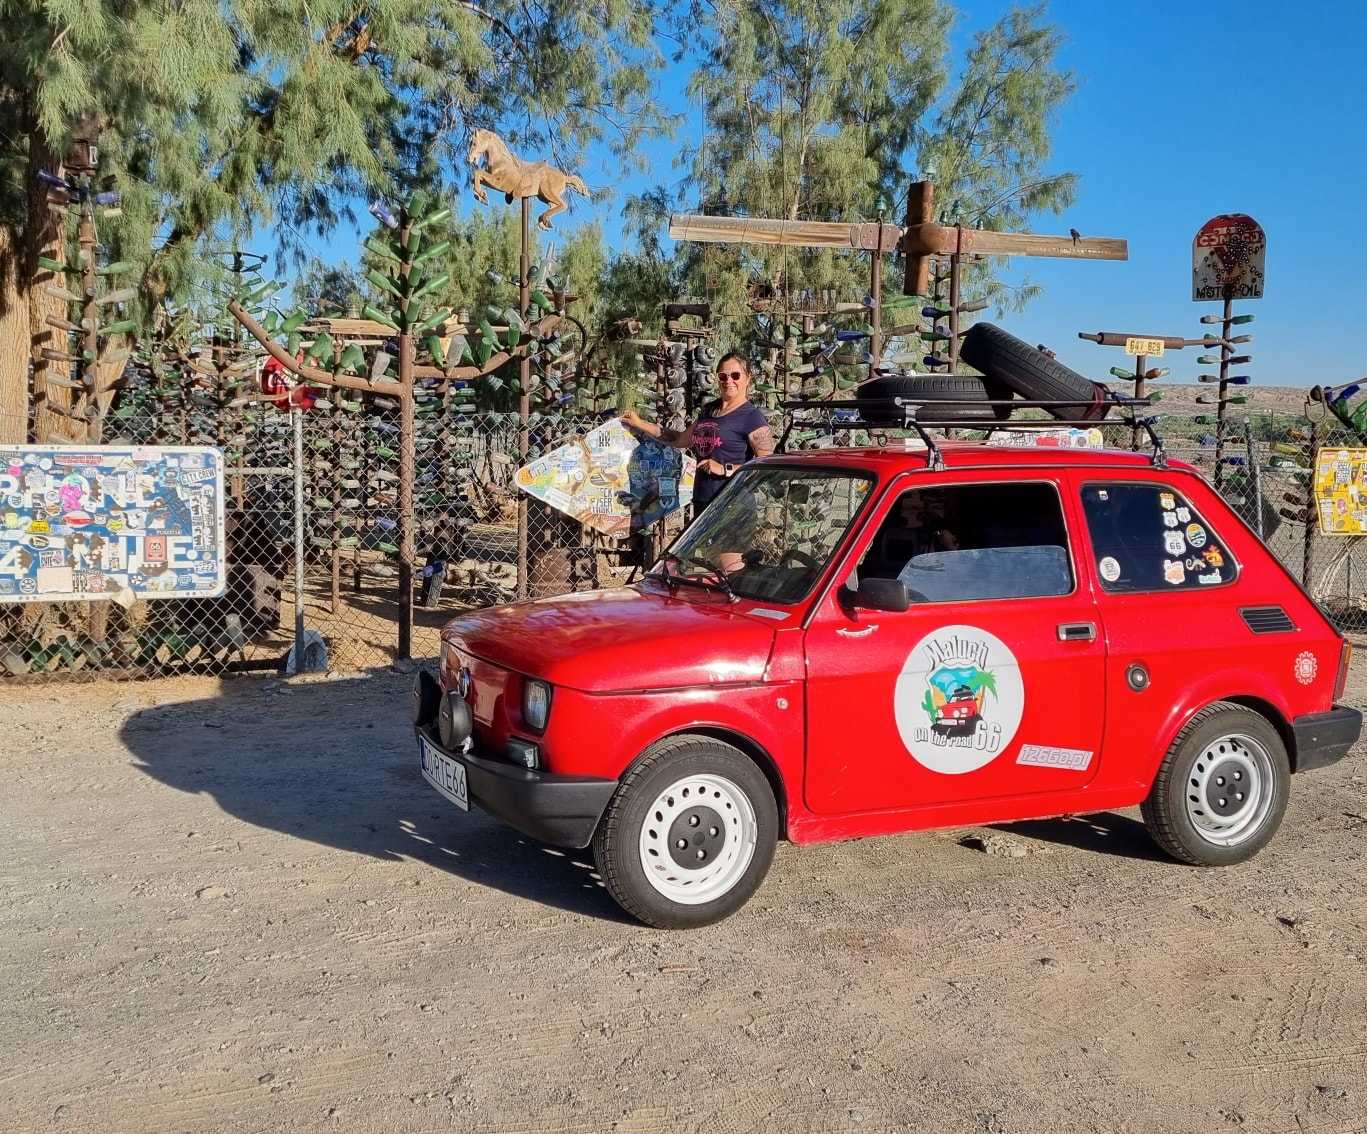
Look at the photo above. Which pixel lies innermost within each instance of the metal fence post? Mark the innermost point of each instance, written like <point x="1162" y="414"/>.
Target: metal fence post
<point x="297" y="426"/>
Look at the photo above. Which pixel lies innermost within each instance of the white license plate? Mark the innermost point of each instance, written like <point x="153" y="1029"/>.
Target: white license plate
<point x="443" y="773"/>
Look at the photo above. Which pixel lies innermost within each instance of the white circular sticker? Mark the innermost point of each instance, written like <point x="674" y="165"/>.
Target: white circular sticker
<point x="1109" y="568"/>
<point x="1306" y="667"/>
<point x="958" y="700"/>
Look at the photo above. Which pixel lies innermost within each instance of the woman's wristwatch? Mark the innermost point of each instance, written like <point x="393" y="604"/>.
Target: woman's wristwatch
<point x="728" y="470"/>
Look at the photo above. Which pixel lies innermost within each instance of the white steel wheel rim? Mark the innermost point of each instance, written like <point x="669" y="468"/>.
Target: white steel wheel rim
<point x="727" y="842"/>
<point x="1230" y="790"/>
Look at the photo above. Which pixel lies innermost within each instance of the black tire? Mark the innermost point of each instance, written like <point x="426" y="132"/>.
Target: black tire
<point x="617" y="841"/>
<point x="1031" y="373"/>
<point x="1205" y="759"/>
<point x="877" y="407"/>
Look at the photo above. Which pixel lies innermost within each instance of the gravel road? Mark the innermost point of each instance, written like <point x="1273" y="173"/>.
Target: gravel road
<point x="234" y="906"/>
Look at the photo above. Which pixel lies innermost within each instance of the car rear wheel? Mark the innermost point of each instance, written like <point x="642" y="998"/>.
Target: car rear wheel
<point x="689" y="834"/>
<point x="1222" y="789"/>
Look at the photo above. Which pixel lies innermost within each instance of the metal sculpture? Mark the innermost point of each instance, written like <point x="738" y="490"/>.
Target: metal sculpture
<point x="517" y="178"/>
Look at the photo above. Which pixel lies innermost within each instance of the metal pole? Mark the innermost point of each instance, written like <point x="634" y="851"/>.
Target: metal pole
<point x="1255" y="478"/>
<point x="876" y="294"/>
<point x="1226" y="351"/>
<point x="297" y="424"/>
<point x="954" y="270"/>
<point x="407" y="431"/>
<point x="1141" y="366"/>
<point x="1311" y="510"/>
<point x="524" y="402"/>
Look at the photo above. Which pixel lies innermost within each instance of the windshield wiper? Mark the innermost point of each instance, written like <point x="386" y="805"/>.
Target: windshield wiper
<point x="719" y="576"/>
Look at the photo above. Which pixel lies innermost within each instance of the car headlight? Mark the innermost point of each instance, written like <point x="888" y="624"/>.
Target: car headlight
<point x="536" y="704"/>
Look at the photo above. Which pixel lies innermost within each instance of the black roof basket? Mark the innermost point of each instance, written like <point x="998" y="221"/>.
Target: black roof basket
<point x="912" y="421"/>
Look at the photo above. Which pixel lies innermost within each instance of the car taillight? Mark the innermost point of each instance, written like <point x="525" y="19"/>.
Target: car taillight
<point x="1345" y="657"/>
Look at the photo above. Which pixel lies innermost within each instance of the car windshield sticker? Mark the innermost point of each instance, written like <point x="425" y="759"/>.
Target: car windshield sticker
<point x="1207" y="579"/>
<point x="1196" y="535"/>
<point x="1168" y="500"/>
<point x="1169" y="520"/>
<point x="1183" y="515"/>
<point x="1109" y="568"/>
<point x="1174" y="544"/>
<point x="1173" y="571"/>
<point x="958" y="700"/>
<point x="1043" y="756"/>
<point x="1213" y="556"/>
<point x="1306" y="667"/>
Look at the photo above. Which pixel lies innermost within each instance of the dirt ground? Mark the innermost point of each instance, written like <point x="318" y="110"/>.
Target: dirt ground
<point x="234" y="906"/>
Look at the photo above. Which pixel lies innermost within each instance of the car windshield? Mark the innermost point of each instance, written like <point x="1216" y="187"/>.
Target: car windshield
<point x="770" y="534"/>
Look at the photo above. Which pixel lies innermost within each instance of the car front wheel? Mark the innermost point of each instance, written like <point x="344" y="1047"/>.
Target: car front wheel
<point x="689" y="834"/>
<point x="1222" y="789"/>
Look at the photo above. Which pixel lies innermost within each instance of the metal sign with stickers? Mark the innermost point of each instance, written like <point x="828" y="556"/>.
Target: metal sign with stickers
<point x="610" y="481"/>
<point x="1228" y="258"/>
<point x="1341" y="491"/>
<point x="81" y="523"/>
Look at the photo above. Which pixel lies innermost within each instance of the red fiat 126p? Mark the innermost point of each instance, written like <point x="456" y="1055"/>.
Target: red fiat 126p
<point x="866" y="641"/>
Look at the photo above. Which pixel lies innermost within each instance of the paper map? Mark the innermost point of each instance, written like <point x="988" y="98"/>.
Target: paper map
<point x="1341" y="491"/>
<point x="611" y="480"/>
<point x="99" y="522"/>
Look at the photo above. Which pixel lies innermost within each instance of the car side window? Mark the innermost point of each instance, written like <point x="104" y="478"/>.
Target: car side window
<point x="964" y="542"/>
<point x="1148" y="537"/>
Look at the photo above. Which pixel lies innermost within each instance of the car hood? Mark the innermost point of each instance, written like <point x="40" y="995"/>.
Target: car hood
<point x="603" y="641"/>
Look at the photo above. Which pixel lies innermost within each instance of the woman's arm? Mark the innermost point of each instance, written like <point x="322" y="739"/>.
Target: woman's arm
<point x="761" y="441"/>
<point x="670" y="437"/>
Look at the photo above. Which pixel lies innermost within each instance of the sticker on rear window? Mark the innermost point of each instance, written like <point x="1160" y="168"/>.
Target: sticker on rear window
<point x="1109" y="568"/>
<point x="958" y="700"/>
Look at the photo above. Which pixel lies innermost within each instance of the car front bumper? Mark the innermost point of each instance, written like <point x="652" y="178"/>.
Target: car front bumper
<point x="1325" y="738"/>
<point x="560" y="810"/>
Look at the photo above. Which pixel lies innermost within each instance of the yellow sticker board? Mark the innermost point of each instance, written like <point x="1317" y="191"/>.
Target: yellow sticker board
<point x="1341" y="491"/>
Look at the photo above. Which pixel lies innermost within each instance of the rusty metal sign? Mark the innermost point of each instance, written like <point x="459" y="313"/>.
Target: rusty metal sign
<point x="1228" y="257"/>
<point x="1148" y="347"/>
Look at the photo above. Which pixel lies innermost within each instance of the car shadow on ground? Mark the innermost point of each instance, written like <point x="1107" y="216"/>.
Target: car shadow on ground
<point x="1104" y="833"/>
<point x="335" y="763"/>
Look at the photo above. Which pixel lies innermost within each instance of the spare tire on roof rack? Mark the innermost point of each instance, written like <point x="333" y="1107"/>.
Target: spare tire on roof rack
<point x="1031" y="373"/>
<point x="878" y="407"/>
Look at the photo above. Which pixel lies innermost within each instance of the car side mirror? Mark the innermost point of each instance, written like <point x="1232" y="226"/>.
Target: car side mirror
<point x="880" y="594"/>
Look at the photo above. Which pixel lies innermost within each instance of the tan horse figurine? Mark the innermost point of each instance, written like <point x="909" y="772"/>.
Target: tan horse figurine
<point x="518" y="178"/>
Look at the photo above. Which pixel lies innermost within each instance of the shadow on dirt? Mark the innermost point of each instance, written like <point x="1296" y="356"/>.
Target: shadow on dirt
<point x="334" y="762"/>
<point x="1103" y="833"/>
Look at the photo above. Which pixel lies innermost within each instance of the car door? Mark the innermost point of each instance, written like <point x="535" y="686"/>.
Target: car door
<point x="990" y="685"/>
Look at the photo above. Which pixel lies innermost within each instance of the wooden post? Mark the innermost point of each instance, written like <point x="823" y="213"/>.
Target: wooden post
<point x="524" y="399"/>
<point x="876" y="294"/>
<point x="407" y="441"/>
<point x="920" y="210"/>
<point x="1141" y="367"/>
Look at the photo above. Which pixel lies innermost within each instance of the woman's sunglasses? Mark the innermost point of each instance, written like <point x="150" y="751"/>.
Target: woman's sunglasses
<point x="730" y="375"/>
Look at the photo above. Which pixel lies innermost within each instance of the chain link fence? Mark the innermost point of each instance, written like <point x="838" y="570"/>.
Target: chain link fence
<point x="334" y="558"/>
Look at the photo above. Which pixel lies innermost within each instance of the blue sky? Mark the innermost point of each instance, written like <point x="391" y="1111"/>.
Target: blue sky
<point x="1183" y="111"/>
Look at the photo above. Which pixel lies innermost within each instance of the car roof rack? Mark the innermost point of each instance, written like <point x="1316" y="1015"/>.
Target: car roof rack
<point x="913" y="422"/>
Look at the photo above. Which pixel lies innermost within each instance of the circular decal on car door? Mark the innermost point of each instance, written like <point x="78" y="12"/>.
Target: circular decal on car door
<point x="958" y="700"/>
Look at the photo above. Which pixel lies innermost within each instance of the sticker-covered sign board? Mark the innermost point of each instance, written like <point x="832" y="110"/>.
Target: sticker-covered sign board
<point x="1228" y="257"/>
<point x="610" y="480"/>
<point x="1341" y="491"/>
<point x="101" y="521"/>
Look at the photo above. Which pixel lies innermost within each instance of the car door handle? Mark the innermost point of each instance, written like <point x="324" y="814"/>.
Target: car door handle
<point x="864" y="633"/>
<point x="1077" y="631"/>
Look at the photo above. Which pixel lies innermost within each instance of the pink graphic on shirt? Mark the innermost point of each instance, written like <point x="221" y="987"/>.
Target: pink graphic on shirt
<point x="707" y="439"/>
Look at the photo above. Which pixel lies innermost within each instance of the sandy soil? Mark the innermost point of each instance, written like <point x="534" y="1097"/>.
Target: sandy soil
<point x="234" y="906"/>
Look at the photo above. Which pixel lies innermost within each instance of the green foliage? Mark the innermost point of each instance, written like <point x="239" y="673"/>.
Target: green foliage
<point x="218" y="117"/>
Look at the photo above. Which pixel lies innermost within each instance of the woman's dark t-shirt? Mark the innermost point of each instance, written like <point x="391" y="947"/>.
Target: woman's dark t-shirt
<point x="725" y="438"/>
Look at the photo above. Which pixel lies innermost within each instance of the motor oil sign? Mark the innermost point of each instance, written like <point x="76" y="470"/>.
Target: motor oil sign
<point x="81" y="523"/>
<point x="1228" y="258"/>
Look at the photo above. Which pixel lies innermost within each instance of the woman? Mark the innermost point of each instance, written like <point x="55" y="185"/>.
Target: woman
<point x="729" y="431"/>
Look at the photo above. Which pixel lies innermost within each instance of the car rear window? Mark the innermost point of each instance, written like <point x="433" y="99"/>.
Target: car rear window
<point x="1148" y="537"/>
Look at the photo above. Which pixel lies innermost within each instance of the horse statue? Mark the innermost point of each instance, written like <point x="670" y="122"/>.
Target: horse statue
<point x="518" y="178"/>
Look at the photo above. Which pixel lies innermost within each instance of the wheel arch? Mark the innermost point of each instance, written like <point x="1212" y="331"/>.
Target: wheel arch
<point x="749" y="747"/>
<point x="1273" y="716"/>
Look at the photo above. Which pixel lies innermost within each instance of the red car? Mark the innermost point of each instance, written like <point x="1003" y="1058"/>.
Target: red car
<point x="804" y="663"/>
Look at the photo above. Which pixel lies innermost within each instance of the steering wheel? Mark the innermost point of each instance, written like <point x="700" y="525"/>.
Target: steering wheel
<point x="799" y="557"/>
